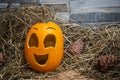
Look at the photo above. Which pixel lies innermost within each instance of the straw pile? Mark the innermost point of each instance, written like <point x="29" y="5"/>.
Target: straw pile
<point x="98" y="41"/>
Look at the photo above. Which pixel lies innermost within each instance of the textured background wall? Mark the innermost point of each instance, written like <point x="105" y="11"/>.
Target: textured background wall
<point x="80" y="11"/>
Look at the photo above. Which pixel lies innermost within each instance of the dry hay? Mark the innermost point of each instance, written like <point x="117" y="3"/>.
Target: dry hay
<point x="14" y="25"/>
<point x="97" y="41"/>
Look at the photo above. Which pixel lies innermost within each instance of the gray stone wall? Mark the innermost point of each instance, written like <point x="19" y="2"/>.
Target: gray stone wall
<point x="80" y="11"/>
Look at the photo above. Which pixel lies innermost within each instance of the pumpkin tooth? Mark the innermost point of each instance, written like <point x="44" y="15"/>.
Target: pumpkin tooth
<point x="41" y="59"/>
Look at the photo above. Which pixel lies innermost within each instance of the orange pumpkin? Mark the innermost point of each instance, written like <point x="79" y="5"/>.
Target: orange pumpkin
<point x="44" y="46"/>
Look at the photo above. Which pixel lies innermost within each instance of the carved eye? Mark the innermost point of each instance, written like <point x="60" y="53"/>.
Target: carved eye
<point x="33" y="41"/>
<point x="50" y="41"/>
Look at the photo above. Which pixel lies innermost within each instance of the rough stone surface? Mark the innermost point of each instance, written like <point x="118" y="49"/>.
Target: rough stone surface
<point x="87" y="4"/>
<point x="62" y="16"/>
<point x="95" y="17"/>
<point x="5" y="5"/>
<point x="54" y="1"/>
<point x="78" y="11"/>
<point x="12" y="1"/>
<point x="58" y="7"/>
<point x="94" y="11"/>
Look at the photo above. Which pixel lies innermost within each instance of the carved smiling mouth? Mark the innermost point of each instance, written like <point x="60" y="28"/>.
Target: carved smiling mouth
<point x="41" y="59"/>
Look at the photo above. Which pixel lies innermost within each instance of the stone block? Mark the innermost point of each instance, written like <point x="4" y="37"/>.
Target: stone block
<point x="13" y="5"/>
<point x="3" y="5"/>
<point x="62" y="17"/>
<point x="53" y="1"/>
<point x="95" y="17"/>
<point x="58" y="7"/>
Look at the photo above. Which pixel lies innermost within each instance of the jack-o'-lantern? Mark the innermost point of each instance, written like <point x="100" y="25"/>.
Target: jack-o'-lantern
<point x="44" y="46"/>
